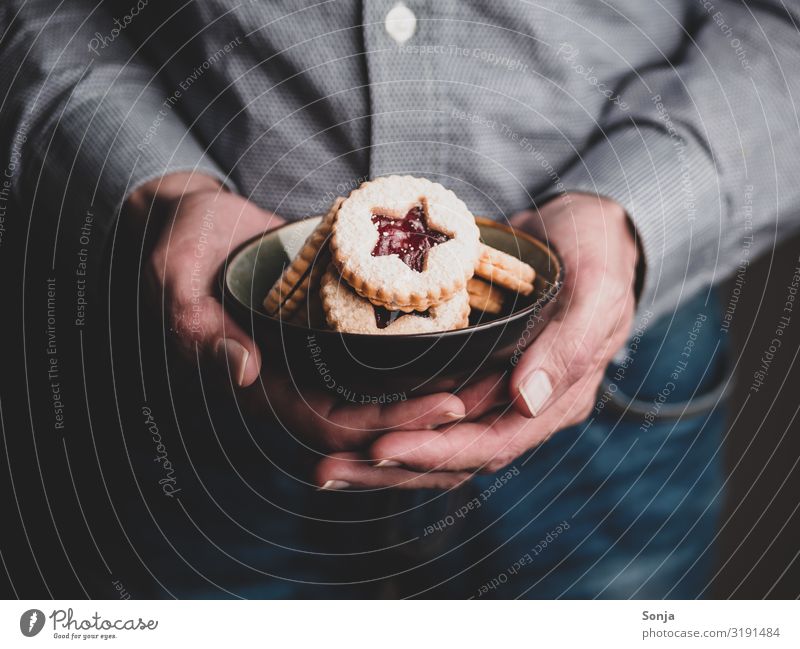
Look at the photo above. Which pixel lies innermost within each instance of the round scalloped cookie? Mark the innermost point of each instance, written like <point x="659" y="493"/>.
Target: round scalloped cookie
<point x="347" y="312"/>
<point x="290" y="289"/>
<point x="500" y="268"/>
<point x="386" y="279"/>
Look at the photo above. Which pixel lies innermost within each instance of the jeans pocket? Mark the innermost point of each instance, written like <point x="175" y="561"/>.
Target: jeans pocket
<point x="660" y="407"/>
<point x="674" y="368"/>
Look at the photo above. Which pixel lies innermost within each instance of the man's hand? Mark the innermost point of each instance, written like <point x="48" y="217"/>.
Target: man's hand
<point x="322" y="423"/>
<point x="555" y="383"/>
<point x="198" y="224"/>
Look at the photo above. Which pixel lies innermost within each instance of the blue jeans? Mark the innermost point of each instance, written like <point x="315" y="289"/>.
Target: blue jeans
<point x="623" y="505"/>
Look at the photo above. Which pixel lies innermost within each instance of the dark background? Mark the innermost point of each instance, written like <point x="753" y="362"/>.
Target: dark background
<point x="760" y="538"/>
<point x="61" y="505"/>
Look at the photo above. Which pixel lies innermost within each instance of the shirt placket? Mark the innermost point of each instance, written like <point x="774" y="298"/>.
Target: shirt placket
<point x="406" y="120"/>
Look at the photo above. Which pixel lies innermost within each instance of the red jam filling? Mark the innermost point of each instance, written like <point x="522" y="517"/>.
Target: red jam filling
<point x="384" y="317"/>
<point x="409" y="238"/>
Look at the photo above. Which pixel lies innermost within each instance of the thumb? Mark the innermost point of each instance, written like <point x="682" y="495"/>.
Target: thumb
<point x="236" y="353"/>
<point x="218" y="342"/>
<point x="560" y="357"/>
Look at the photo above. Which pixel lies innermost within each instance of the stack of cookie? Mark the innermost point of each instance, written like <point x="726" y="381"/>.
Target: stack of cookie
<point x="400" y="255"/>
<point x="496" y="274"/>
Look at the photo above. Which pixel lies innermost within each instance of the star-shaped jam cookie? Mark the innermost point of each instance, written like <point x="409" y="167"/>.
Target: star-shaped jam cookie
<point x="409" y="237"/>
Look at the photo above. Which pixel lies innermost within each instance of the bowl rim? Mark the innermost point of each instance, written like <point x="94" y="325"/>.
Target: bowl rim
<point x="548" y="296"/>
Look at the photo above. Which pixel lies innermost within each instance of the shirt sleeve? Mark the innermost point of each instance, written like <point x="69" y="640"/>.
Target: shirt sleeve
<point x="85" y="119"/>
<point x="702" y="150"/>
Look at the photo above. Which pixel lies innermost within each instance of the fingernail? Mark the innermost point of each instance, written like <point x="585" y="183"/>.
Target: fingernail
<point x="387" y="463"/>
<point x="334" y="485"/>
<point x="231" y="354"/>
<point x="536" y="390"/>
<point x="447" y="418"/>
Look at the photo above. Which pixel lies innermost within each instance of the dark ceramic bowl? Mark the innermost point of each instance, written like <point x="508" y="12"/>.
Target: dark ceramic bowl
<point x="361" y="367"/>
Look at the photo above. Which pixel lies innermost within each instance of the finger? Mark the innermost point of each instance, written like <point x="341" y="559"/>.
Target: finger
<point x="236" y="352"/>
<point x="578" y="343"/>
<point x="345" y="425"/>
<point x="488" y="444"/>
<point x="204" y="331"/>
<point x="484" y="395"/>
<point x="182" y="272"/>
<point x="353" y="470"/>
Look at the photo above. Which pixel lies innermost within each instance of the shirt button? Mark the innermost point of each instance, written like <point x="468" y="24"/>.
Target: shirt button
<point x="401" y="23"/>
